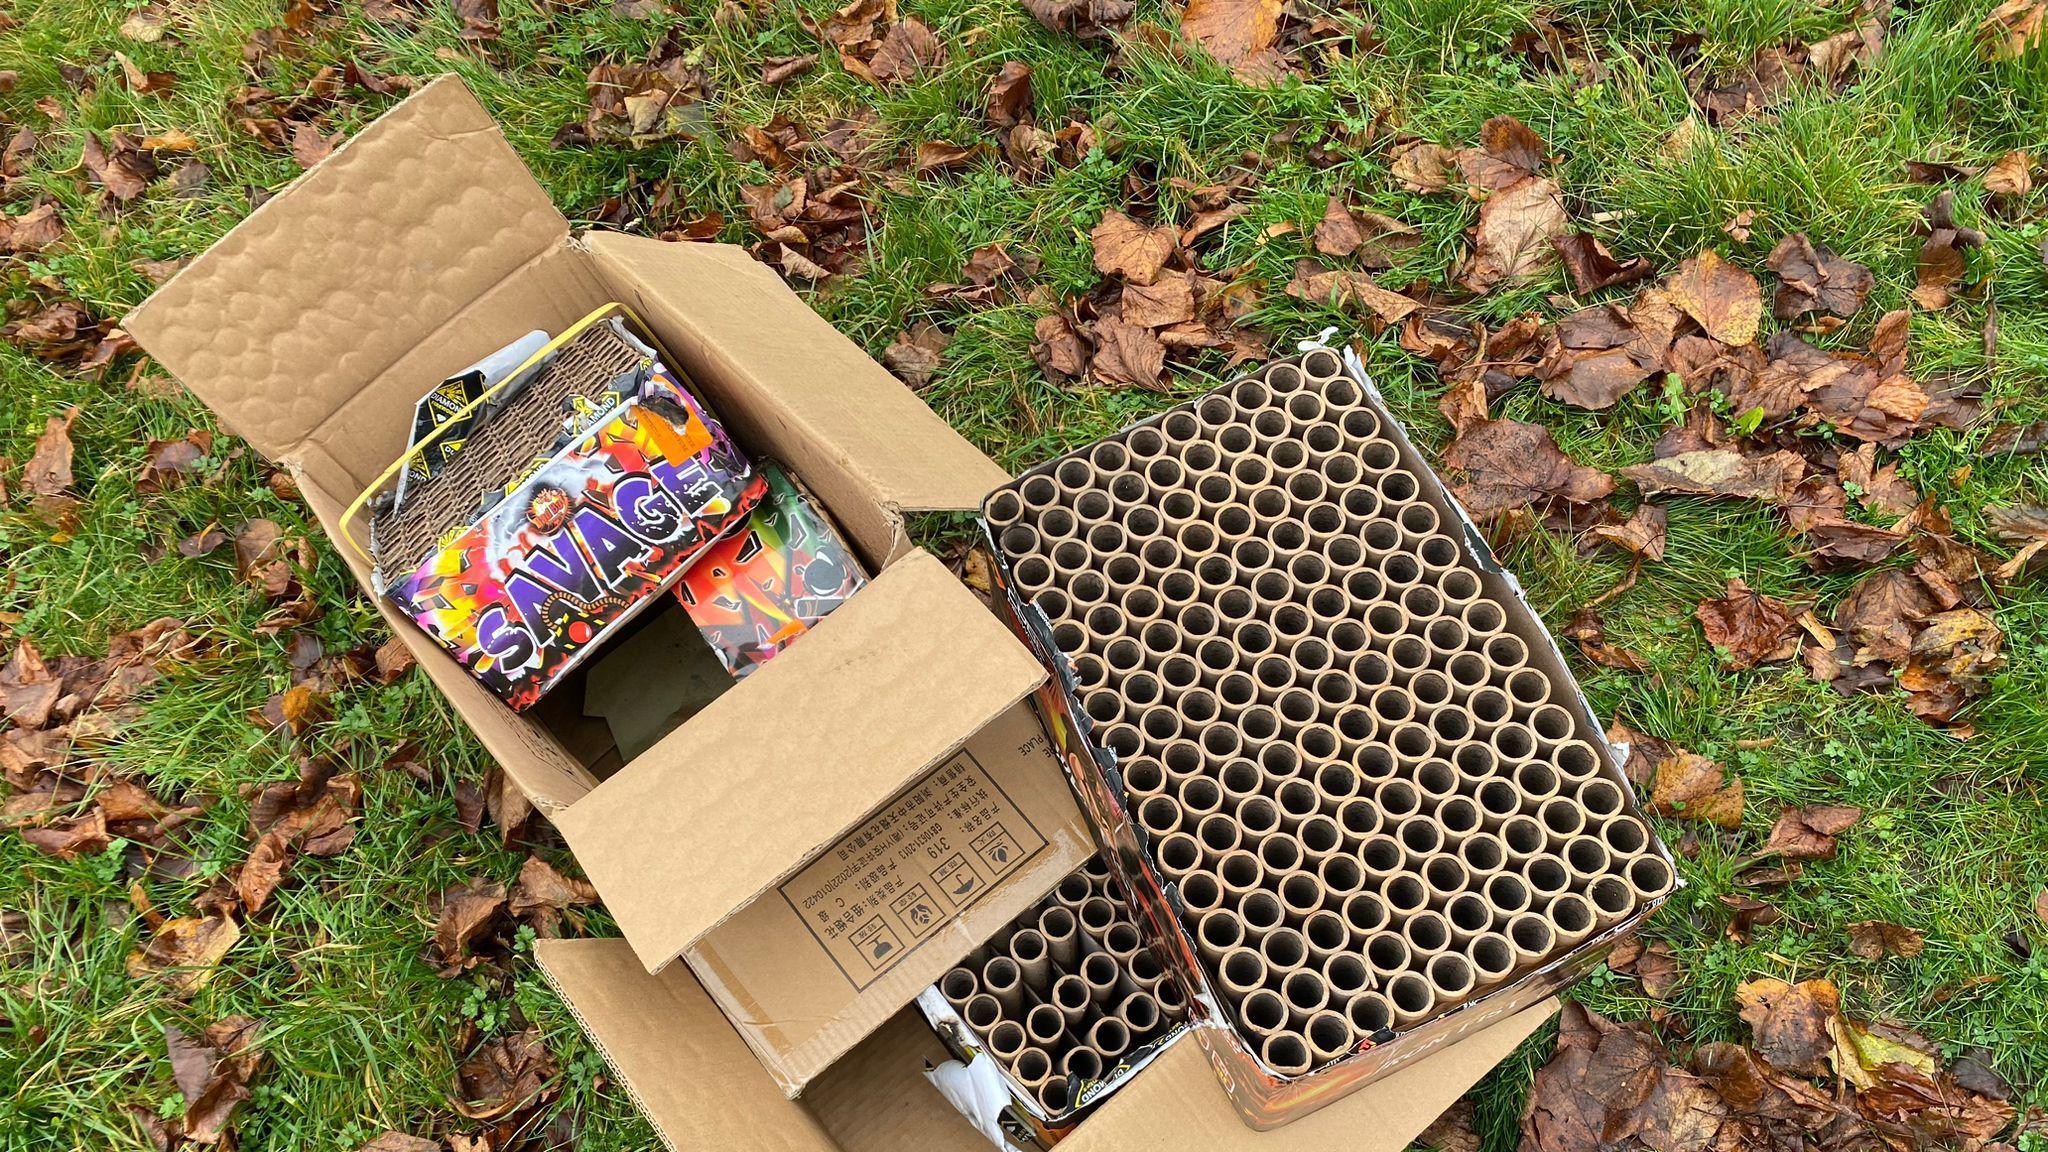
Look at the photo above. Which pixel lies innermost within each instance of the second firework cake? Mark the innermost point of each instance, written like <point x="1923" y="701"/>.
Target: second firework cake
<point x="1340" y="767"/>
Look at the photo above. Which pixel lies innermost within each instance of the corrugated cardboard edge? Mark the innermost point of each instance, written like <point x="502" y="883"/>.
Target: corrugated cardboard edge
<point x="327" y="284"/>
<point x="642" y="835"/>
<point x="655" y="1045"/>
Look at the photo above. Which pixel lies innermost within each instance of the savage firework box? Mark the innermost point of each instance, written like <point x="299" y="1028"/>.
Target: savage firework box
<point x="589" y="478"/>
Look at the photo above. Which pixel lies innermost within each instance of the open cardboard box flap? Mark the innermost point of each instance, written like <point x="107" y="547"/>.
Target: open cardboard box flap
<point x="695" y="1080"/>
<point x="751" y="788"/>
<point x="327" y="290"/>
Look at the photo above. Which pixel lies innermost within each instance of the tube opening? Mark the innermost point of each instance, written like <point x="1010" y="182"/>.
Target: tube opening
<point x="1285" y="1053"/>
<point x="1283" y="948"/>
<point x="1258" y="815"/>
<point x="1364" y="914"/>
<point x="1263" y="1012"/>
<point x="1468" y="913"/>
<point x="1410" y="993"/>
<point x="1404" y="894"/>
<point x="1369" y="1013"/>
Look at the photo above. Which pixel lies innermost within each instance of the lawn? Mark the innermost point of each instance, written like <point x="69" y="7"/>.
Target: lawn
<point x="367" y="1015"/>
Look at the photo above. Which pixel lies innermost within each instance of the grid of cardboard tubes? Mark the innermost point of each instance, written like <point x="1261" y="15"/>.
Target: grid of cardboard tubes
<point x="1067" y="992"/>
<point x="1373" y="806"/>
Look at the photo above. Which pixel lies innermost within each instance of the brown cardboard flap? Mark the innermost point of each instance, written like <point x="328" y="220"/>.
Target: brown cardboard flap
<point x="1176" y="1104"/>
<point x="331" y="281"/>
<point x="750" y="788"/>
<point x="672" y="1049"/>
<point x="826" y="392"/>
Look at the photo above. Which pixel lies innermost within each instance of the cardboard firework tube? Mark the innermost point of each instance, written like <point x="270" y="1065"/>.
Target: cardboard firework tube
<point x="1412" y="744"/>
<point x="1528" y="687"/>
<point x="1258" y="815"/>
<point x="1427" y="933"/>
<point x="1182" y="761"/>
<point x="1575" y="760"/>
<point x="1217" y="834"/>
<point x="1240" y="780"/>
<point x="1498" y="799"/>
<point x="1532" y="938"/>
<point x="1411" y="996"/>
<point x="1081" y="1063"/>
<point x="1562" y="818"/>
<point x="1460" y="817"/>
<point x="1484" y="855"/>
<point x="1364" y="914"/>
<point x="1072" y="890"/>
<point x="1002" y="979"/>
<point x="1546" y="876"/>
<point x="1200" y="796"/>
<point x="1262" y="1012"/>
<point x="1420" y="837"/>
<point x="1109" y="1037"/>
<point x="1369" y="1013"/>
<point x="1505" y="652"/>
<point x="1300" y="894"/>
<point x="1179" y="427"/>
<point x="1649" y="877"/>
<point x="1571" y="918"/>
<point x="1144" y="443"/>
<point x="1061" y="932"/>
<point x="1007" y="1040"/>
<point x="1347" y="974"/>
<point x="1241" y="874"/>
<point x="1315" y="740"/>
<point x="1140" y="1014"/>
<point x="1032" y="1068"/>
<point x="1468" y="914"/>
<point x="1375" y="765"/>
<point x="1070" y="997"/>
<point x="1279" y="854"/>
<point x="1382" y="858"/>
<point x="1601" y="800"/>
<point x="1286" y="1053"/>
<point x="1588" y="859"/>
<point x="1445" y="876"/>
<point x="1260" y="913"/>
<point x="1507" y="895"/>
<point x="1625" y="837"/>
<point x="1341" y="876"/>
<point x="1057" y="524"/>
<point x="1611" y="898"/>
<point x="1552" y="726"/>
<point x="1387" y="952"/>
<point x="1005" y="508"/>
<point x="1359" y="818"/>
<point x="1326" y="935"/>
<point x="1437" y="780"/>
<point x="982" y="1012"/>
<point x="1160" y="815"/>
<point x="1149" y="976"/>
<point x="1485" y="619"/>
<point x="1201" y="892"/>
<point x="1306" y="994"/>
<point x="1297" y="800"/>
<point x="1284" y="951"/>
<point x="1096" y="915"/>
<point x="1123" y="941"/>
<point x="1489" y="707"/>
<point x="958" y="987"/>
<point x="1513" y="742"/>
<point x="1056" y="1095"/>
<point x="1145" y="776"/>
<point x="1320" y="838"/>
<point x="1492" y="958"/>
<point x="1451" y="977"/>
<point x="1100" y="973"/>
<point x="1329" y="1035"/>
<point x="1045" y="1025"/>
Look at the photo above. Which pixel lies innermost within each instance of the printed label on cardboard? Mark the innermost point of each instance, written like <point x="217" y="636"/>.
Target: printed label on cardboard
<point x="899" y="878"/>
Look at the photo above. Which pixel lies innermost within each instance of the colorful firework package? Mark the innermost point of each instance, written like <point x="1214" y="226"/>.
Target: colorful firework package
<point x="586" y="485"/>
<point x="756" y="590"/>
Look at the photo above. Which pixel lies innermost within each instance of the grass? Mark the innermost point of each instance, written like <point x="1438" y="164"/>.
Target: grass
<point x="363" y="1035"/>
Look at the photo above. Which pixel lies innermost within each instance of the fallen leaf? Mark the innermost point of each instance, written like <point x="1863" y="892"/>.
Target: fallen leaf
<point x="1452" y="1131"/>
<point x="1082" y="19"/>
<point x="1874" y="939"/>
<point x="1009" y="94"/>
<point x="1345" y="288"/>
<point x="1420" y="166"/>
<point x="1508" y="465"/>
<point x="33" y="231"/>
<point x="1592" y="267"/>
<point x="1642" y="534"/>
<point x="464" y="915"/>
<point x="1811" y="278"/>
<point x="505" y="1076"/>
<point x="185" y="952"/>
<point x="1168" y="302"/>
<point x="908" y="51"/>
<point x="2010" y="175"/>
<point x="1696" y="788"/>
<point x="2025" y="525"/>
<point x="1792" y="1024"/>
<point x="1516" y="235"/>
<point x="1127" y="354"/>
<point x="1126" y="248"/>
<point x="1750" y="627"/>
<point x="1951" y="662"/>
<point x="1810" y="833"/>
<point x="48" y="472"/>
<point x="1721" y="472"/>
<point x="1942" y="262"/>
<point x="1722" y="299"/>
<point x="1589" y="630"/>
<point x="1232" y="31"/>
<point x="1652" y="964"/>
<point x="212" y="1071"/>
<point x="2012" y="29"/>
<point x="915" y="354"/>
<point x="779" y="70"/>
<point x="400" y="1142"/>
<point x="125" y="172"/>
<point x="542" y="895"/>
<point x="170" y="463"/>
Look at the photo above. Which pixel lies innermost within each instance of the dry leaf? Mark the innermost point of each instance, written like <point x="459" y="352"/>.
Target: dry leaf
<point x="1811" y="278"/>
<point x="185" y="952"/>
<point x="1696" y="788"/>
<point x="1233" y="31"/>
<point x="1126" y="248"/>
<point x="915" y="354"/>
<point x="1750" y="627"/>
<point x="1516" y="235"/>
<point x="1793" y="1024"/>
<point x="1873" y="939"/>
<point x="48" y="472"/>
<point x="1809" y="833"/>
<point x="1724" y="300"/>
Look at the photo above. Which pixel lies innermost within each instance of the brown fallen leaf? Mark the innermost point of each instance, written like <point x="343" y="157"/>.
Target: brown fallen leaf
<point x="1642" y="534"/>
<point x="1235" y="32"/>
<point x="505" y="1077"/>
<point x="212" y="1071"/>
<point x="1126" y="248"/>
<point x="400" y="1142"/>
<point x="1749" y="627"/>
<point x="185" y="952"/>
<point x="1793" y="1024"/>
<point x="2012" y="29"/>
<point x="1811" y="278"/>
<point x="779" y="70"/>
<point x="1589" y="630"/>
<point x="1168" y="302"/>
<point x="1423" y="167"/>
<point x="1693" y="787"/>
<point x="310" y="146"/>
<point x="1652" y="964"/>
<point x="1126" y="354"/>
<point x="1452" y="1131"/>
<point x="1515" y="239"/>
<point x="1348" y="289"/>
<point x="1810" y="833"/>
<point x="542" y="895"/>
<point x="1060" y="350"/>
<point x="1942" y="262"/>
<point x="1082" y="19"/>
<point x="2025" y="525"/>
<point x="33" y="231"/>
<point x="2010" y="175"/>
<point x="915" y="354"/>
<point x="1874" y="939"/>
<point x="170" y="463"/>
<point x="125" y="170"/>
<point x="1723" y="300"/>
<point x="1592" y="267"/>
<point x="1509" y="465"/>
<point x="1721" y="472"/>
<point x="464" y="915"/>
<point x="1951" y="662"/>
<point x="48" y="471"/>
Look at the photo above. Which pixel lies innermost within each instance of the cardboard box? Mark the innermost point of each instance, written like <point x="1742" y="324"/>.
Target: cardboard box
<point x="423" y="244"/>
<point x="1266" y="1098"/>
<point x="688" y="1071"/>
